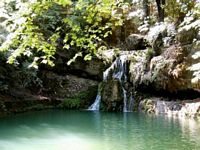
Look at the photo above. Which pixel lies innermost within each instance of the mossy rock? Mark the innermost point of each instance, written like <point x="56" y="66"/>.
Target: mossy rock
<point x="82" y="100"/>
<point x="147" y="105"/>
<point x="185" y="37"/>
<point x="112" y="96"/>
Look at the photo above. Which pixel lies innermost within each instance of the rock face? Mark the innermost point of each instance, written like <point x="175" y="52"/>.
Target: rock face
<point x="3" y="30"/>
<point x="135" y="42"/>
<point x="188" y="32"/>
<point x="92" y="69"/>
<point x="65" y="91"/>
<point x="87" y="69"/>
<point x="168" y="71"/>
<point x="161" y="35"/>
<point x="172" y="68"/>
<point x="59" y="86"/>
<point x="186" y="36"/>
<point x="112" y="98"/>
<point x="190" y="108"/>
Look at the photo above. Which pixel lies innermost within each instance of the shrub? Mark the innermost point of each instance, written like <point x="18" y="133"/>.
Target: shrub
<point x="43" y="27"/>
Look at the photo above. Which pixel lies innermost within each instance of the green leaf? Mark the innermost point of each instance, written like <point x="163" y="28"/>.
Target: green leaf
<point x="88" y="57"/>
<point x="64" y="2"/>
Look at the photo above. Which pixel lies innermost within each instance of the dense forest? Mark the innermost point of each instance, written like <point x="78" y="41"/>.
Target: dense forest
<point x="131" y="54"/>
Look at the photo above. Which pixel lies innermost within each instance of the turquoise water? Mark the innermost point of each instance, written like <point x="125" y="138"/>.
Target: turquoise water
<point x="84" y="130"/>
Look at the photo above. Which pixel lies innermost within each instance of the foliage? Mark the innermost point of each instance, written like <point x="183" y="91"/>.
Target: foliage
<point x="177" y="9"/>
<point x="47" y="26"/>
<point x="33" y="38"/>
<point x="192" y="21"/>
<point x="150" y="53"/>
<point x="81" y="100"/>
<point x="73" y="103"/>
<point x="27" y="78"/>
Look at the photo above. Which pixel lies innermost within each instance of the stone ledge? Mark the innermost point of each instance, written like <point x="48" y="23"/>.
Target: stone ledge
<point x="185" y="108"/>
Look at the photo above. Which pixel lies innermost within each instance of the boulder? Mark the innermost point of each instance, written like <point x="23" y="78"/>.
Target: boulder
<point x="161" y="35"/>
<point x="186" y="108"/>
<point x="135" y="42"/>
<point x="3" y="18"/>
<point x="185" y="37"/>
<point x="188" y="32"/>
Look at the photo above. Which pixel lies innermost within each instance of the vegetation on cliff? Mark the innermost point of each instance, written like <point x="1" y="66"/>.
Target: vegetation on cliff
<point x="41" y="36"/>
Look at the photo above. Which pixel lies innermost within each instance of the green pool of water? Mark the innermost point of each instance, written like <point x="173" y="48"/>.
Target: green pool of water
<point x="85" y="130"/>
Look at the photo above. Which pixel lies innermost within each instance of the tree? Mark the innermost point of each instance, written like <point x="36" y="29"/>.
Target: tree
<point x="160" y="7"/>
<point x="146" y="8"/>
<point x="177" y="10"/>
<point x="77" y="26"/>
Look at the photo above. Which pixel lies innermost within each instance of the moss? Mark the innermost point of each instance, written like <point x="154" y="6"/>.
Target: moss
<point x="71" y="103"/>
<point x="81" y="100"/>
<point x="149" y="54"/>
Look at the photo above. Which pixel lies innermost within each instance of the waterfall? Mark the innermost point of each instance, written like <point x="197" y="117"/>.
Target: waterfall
<point x="118" y="70"/>
<point x="125" y="100"/>
<point x="128" y="103"/>
<point x="96" y="104"/>
<point x="131" y="102"/>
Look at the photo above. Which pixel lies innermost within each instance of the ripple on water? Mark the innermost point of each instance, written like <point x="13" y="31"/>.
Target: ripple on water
<point x="73" y="130"/>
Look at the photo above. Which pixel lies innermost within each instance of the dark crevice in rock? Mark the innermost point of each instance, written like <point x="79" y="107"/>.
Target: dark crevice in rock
<point x="75" y="72"/>
<point x="83" y="74"/>
<point x="187" y="94"/>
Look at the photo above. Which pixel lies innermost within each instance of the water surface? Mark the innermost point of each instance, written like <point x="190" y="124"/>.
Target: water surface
<point x="85" y="130"/>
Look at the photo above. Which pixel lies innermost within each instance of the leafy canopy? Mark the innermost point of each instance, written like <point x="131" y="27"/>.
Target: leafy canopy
<point x="47" y="26"/>
<point x="177" y="9"/>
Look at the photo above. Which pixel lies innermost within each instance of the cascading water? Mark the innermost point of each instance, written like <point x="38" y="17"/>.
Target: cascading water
<point x="125" y="100"/>
<point x="96" y="104"/>
<point x="131" y="102"/>
<point x="117" y="71"/>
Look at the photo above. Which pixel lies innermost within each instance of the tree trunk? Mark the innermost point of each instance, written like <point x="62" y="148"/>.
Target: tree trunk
<point x="161" y="15"/>
<point x="146" y="8"/>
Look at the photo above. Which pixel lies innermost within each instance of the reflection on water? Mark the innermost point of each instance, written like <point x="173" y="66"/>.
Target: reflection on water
<point x="84" y="130"/>
<point x="190" y="128"/>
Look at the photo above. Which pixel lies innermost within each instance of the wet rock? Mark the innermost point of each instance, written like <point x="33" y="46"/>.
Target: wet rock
<point x="147" y="105"/>
<point x="186" y="108"/>
<point x="112" y="97"/>
<point x="135" y="42"/>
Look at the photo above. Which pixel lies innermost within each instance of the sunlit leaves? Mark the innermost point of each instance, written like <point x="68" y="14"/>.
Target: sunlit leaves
<point x="87" y="57"/>
<point x="64" y="2"/>
<point x="89" y="24"/>
<point x="82" y="25"/>
<point x="177" y="9"/>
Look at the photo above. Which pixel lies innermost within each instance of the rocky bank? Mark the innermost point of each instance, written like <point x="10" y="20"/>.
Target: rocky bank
<point x="160" y="73"/>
